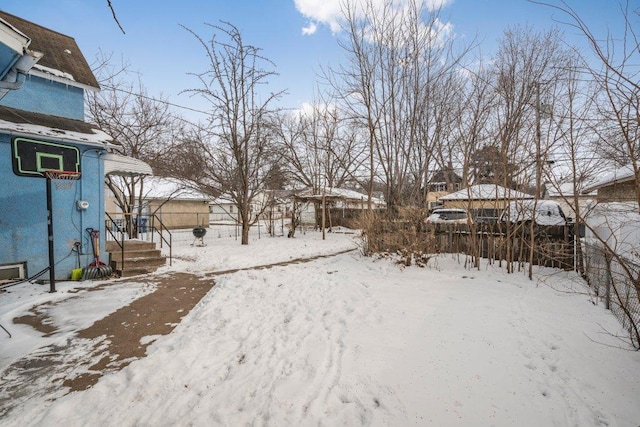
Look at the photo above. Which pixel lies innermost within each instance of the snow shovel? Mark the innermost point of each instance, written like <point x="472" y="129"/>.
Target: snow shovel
<point x="97" y="268"/>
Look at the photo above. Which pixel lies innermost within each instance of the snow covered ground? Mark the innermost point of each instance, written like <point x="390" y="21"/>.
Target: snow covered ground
<point x="347" y="340"/>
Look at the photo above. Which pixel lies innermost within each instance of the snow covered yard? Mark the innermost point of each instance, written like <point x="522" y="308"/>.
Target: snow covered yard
<point x="348" y="340"/>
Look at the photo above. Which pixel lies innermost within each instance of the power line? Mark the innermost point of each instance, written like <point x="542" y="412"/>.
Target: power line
<point x="160" y="101"/>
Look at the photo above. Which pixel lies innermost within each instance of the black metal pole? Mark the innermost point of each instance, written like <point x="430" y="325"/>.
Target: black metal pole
<point x="52" y="267"/>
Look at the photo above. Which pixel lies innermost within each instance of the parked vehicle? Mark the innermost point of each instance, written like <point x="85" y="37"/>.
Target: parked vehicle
<point x="547" y="212"/>
<point x="447" y="216"/>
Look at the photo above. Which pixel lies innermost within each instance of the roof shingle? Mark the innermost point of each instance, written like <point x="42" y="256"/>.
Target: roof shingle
<point x="60" y="51"/>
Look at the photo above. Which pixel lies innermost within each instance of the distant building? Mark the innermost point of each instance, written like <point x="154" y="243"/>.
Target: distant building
<point x="443" y="182"/>
<point x="485" y="202"/>
<point x="174" y="203"/>
<point x="223" y="210"/>
<point x="613" y="216"/>
<point x="617" y="186"/>
<point x="344" y="206"/>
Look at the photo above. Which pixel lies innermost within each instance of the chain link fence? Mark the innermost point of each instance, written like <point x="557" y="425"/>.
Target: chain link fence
<point x="616" y="280"/>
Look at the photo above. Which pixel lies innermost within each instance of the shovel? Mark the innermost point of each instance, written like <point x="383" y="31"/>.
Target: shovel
<point x="97" y="268"/>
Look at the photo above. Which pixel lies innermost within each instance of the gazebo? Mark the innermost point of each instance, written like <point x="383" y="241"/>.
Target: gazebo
<point x="334" y="205"/>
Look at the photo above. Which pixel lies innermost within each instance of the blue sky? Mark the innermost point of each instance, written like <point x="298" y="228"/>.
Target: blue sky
<point x="156" y="46"/>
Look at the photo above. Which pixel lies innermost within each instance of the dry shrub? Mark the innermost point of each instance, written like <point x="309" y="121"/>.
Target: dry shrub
<point x="403" y="235"/>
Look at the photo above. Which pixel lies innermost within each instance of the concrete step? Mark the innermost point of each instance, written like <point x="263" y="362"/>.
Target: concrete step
<point x="134" y="245"/>
<point x="140" y="257"/>
<point x="139" y="262"/>
<point x="135" y="271"/>
<point x="133" y="255"/>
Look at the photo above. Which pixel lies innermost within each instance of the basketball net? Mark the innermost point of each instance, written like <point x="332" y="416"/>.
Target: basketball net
<point x="63" y="180"/>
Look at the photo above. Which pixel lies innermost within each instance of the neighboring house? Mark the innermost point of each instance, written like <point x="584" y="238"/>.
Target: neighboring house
<point x="614" y="216"/>
<point x="43" y="79"/>
<point x="223" y="210"/>
<point x="270" y="204"/>
<point x="443" y="182"/>
<point x="170" y="200"/>
<point x="485" y="202"/>
<point x="617" y="186"/>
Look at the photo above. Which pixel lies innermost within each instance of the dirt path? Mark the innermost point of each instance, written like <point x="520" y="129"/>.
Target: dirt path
<point x="111" y="343"/>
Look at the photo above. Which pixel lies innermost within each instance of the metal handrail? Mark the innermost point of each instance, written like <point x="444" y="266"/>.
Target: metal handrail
<point x="160" y="232"/>
<point x="115" y="237"/>
<point x="155" y="226"/>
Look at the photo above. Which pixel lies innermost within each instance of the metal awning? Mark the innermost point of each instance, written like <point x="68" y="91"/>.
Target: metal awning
<point x="117" y="164"/>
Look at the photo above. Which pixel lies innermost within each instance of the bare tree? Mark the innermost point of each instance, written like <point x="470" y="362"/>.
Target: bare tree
<point x="142" y="127"/>
<point x="526" y="64"/>
<point x="115" y="17"/>
<point x="615" y="74"/>
<point x="574" y="164"/>
<point x="470" y="134"/>
<point x="238" y="151"/>
<point x="400" y="58"/>
<point x="322" y="148"/>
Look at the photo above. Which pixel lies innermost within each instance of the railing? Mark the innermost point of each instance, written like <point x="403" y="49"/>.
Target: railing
<point x="144" y="228"/>
<point x="161" y="230"/>
<point x="113" y="230"/>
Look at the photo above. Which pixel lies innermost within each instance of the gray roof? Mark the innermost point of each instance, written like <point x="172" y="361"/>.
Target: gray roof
<point x="486" y="192"/>
<point x="44" y="125"/>
<point x="60" y="52"/>
<point x="622" y="174"/>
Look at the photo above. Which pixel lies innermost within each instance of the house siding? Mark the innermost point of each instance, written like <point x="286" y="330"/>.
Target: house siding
<point x="47" y="97"/>
<point x="619" y="192"/>
<point x="176" y="214"/>
<point x="222" y="212"/>
<point x="23" y="217"/>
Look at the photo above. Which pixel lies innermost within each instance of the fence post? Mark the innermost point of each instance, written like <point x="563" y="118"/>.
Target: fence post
<point x="608" y="280"/>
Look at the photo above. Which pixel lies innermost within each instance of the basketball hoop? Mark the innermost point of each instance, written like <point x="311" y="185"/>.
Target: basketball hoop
<point x="63" y="180"/>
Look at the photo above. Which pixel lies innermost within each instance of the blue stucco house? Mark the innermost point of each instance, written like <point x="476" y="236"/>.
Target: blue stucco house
<point x="43" y="80"/>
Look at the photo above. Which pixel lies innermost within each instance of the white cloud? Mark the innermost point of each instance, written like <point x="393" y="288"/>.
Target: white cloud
<point x="437" y="4"/>
<point x="329" y="12"/>
<point x="321" y="11"/>
<point x="309" y="29"/>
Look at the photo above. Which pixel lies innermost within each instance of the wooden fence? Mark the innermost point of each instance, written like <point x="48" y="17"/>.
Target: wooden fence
<point x="553" y="246"/>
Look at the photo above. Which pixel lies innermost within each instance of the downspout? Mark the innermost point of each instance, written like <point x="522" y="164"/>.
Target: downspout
<point x="17" y="75"/>
<point x="18" y="78"/>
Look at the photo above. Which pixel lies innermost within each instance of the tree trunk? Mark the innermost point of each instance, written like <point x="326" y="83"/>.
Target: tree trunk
<point x="245" y="233"/>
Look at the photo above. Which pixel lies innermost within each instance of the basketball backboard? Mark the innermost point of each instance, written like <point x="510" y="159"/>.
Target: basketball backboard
<point x="32" y="157"/>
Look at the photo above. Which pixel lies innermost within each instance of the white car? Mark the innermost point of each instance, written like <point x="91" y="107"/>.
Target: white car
<point x="548" y="212"/>
<point x="447" y="216"/>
